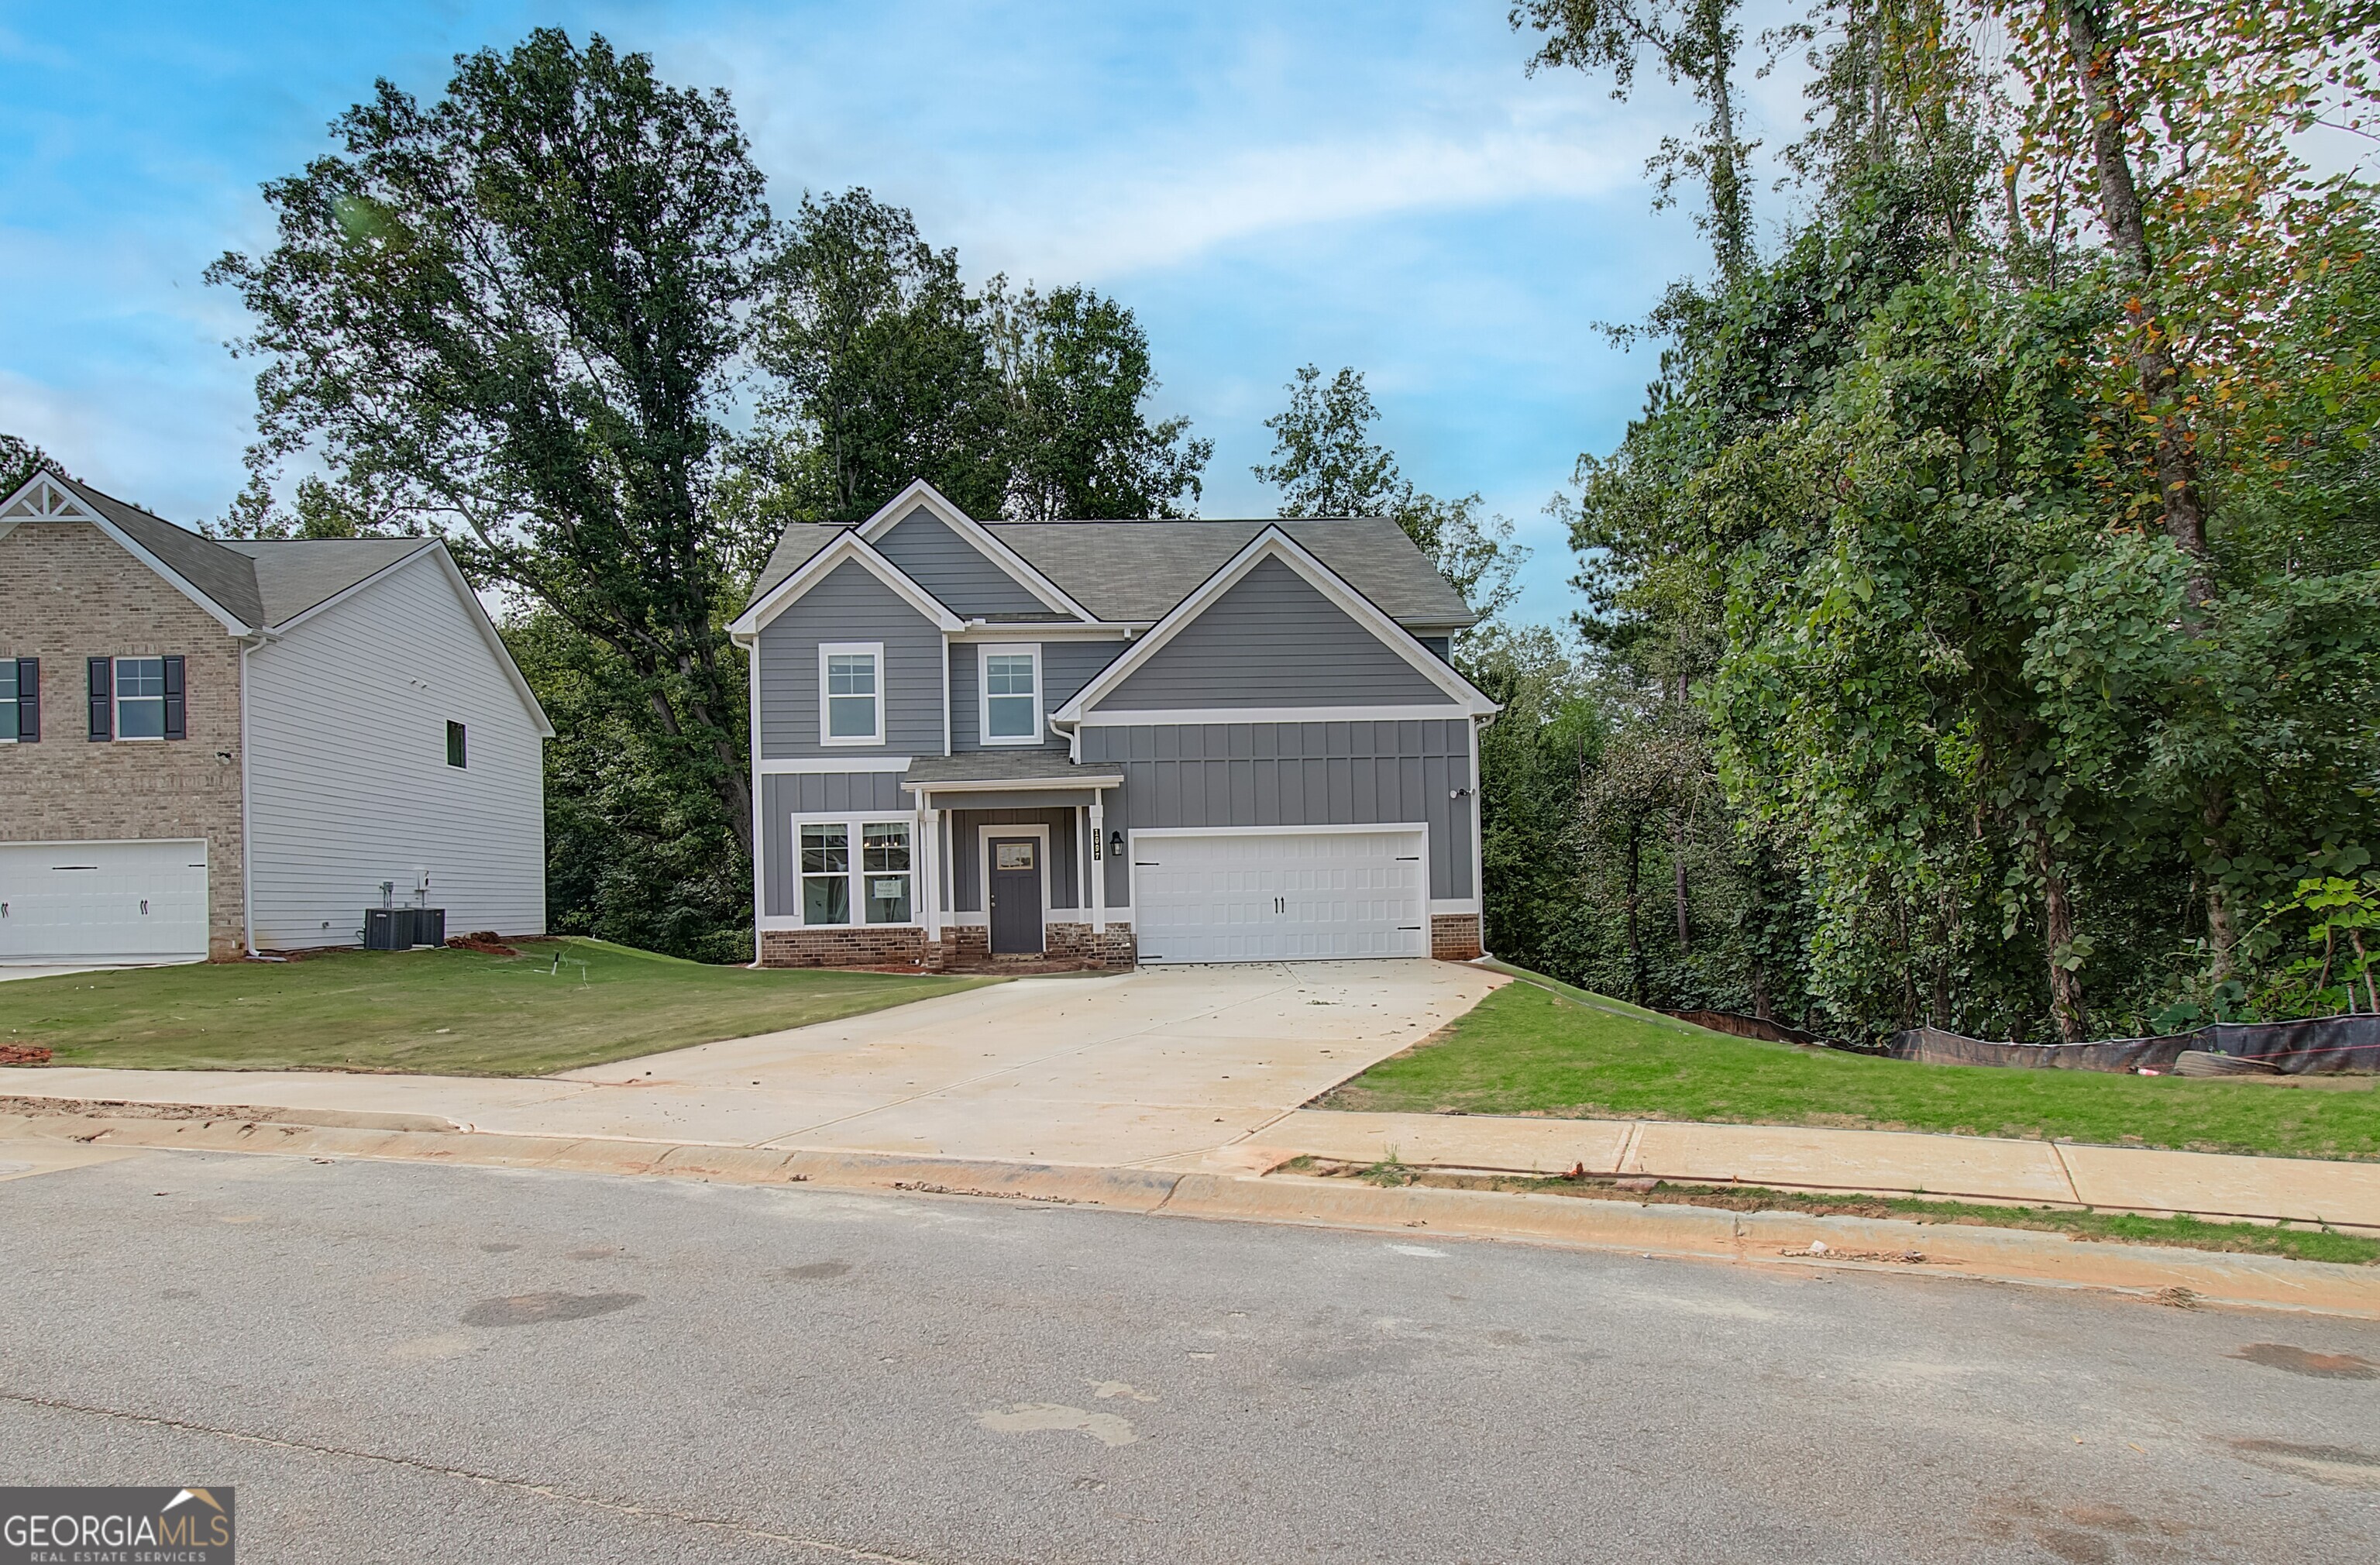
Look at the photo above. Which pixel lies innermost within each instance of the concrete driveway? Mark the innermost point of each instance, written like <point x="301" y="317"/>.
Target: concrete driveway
<point x="1159" y="1065"/>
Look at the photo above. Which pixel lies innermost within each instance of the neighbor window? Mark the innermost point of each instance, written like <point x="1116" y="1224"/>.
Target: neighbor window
<point x="141" y="697"/>
<point x="20" y="699"/>
<point x="1011" y="695"/>
<point x="826" y="874"/>
<point x="851" y="694"/>
<point x="456" y="755"/>
<point x="884" y="849"/>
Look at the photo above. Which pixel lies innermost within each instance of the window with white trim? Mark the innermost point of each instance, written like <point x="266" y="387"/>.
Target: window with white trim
<point x="7" y="700"/>
<point x="851" y="693"/>
<point x="879" y="879"/>
<point x="1011" y="695"/>
<point x="141" y="697"/>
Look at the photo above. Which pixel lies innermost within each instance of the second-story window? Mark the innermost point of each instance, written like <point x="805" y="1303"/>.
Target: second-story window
<point x="851" y="693"/>
<point x="141" y="697"/>
<point x="1011" y="695"/>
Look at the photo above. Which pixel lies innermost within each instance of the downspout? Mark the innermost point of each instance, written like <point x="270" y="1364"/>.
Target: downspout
<point x="1478" y="839"/>
<point x="751" y="644"/>
<point x="247" y="644"/>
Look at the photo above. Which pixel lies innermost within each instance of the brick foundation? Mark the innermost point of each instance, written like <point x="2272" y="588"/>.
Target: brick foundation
<point x="1454" y="936"/>
<point x="856" y="946"/>
<point x="962" y="944"/>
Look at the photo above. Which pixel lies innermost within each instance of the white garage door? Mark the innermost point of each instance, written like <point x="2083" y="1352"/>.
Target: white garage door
<point x="104" y="902"/>
<point x="1262" y="896"/>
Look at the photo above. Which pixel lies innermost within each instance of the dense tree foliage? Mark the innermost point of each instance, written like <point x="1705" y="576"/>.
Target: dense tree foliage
<point x="551" y="317"/>
<point x="1994" y="564"/>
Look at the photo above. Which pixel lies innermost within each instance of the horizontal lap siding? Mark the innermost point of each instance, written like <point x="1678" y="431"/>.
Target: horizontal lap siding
<point x="929" y="554"/>
<point x="1067" y="667"/>
<point x="785" y="794"/>
<point x="850" y="604"/>
<point x="1294" y="775"/>
<point x="1273" y="640"/>
<point x="348" y="774"/>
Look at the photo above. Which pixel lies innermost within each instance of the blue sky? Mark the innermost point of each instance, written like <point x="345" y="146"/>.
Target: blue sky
<point x="1265" y="185"/>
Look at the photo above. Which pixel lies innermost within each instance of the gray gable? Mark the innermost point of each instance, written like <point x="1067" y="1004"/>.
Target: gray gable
<point x="1272" y="639"/>
<point x="931" y="554"/>
<point x="849" y="603"/>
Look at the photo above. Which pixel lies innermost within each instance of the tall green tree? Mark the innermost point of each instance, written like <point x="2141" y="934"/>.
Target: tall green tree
<point x="881" y="366"/>
<point x="1326" y="464"/>
<point x="20" y="460"/>
<point x="1076" y="368"/>
<point x="1691" y="40"/>
<point x="515" y="313"/>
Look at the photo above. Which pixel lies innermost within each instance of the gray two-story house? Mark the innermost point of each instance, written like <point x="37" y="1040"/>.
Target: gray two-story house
<point x="1151" y="741"/>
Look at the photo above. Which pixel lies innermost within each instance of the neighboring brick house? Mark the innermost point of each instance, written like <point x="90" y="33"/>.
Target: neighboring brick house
<point x="213" y="747"/>
<point x="1161" y="741"/>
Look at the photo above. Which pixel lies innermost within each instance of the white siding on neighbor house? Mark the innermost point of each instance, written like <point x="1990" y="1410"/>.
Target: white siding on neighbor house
<point x="348" y="785"/>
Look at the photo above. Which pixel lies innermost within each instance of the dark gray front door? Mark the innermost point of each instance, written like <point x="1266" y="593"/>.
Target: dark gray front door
<point x="1016" y="895"/>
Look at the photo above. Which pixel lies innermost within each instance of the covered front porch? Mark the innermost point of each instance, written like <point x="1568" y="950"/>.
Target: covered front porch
<point x="1013" y="848"/>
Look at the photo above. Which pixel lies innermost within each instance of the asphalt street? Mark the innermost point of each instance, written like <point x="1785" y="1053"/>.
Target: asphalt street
<point x="394" y="1362"/>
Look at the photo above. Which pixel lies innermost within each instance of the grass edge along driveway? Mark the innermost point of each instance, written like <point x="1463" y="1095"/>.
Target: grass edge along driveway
<point x="560" y="1004"/>
<point x="1530" y="1050"/>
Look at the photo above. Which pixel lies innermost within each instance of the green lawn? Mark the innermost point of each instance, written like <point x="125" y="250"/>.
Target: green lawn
<point x="561" y="1003"/>
<point x="1526" y="1051"/>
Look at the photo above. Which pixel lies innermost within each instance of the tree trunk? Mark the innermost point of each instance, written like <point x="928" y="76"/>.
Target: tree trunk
<point x="1678" y="876"/>
<point x="2057" y="934"/>
<point x="2222" y="933"/>
<point x="1730" y="223"/>
<point x="2119" y="208"/>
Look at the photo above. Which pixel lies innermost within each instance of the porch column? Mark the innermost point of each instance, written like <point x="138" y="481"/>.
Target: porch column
<point x="929" y="878"/>
<point x="1098" y="864"/>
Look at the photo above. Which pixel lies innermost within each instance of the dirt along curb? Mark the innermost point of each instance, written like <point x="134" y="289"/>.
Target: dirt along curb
<point x="1775" y="1238"/>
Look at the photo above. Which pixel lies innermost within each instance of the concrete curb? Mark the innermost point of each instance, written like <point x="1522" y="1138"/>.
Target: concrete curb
<point x="1780" y="1239"/>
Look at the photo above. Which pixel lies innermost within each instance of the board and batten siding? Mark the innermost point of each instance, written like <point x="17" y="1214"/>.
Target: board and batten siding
<point x="934" y="556"/>
<point x="1271" y="639"/>
<point x="968" y="828"/>
<point x="1067" y="667"/>
<point x="785" y="795"/>
<point x="850" y="604"/>
<point x="1294" y="775"/>
<point x="348" y="785"/>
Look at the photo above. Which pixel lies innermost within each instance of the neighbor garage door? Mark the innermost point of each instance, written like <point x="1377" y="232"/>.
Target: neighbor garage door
<point x="1264" y="896"/>
<point x="104" y="902"/>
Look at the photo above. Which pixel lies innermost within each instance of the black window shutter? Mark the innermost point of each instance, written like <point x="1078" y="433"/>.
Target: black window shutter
<point x="177" y="721"/>
<point x="29" y="700"/>
<point x="102" y="710"/>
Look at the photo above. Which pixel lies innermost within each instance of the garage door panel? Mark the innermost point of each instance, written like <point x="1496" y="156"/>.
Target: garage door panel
<point x="104" y="902"/>
<point x="1279" y="896"/>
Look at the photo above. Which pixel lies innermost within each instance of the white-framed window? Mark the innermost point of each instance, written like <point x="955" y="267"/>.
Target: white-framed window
<point x="141" y="697"/>
<point x="1010" y="701"/>
<point x="7" y="700"/>
<point x="857" y="863"/>
<point x="851" y="692"/>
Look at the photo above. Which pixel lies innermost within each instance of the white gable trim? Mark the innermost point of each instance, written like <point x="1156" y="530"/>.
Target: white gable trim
<point x="1273" y="543"/>
<point x="46" y="498"/>
<point x="1019" y="569"/>
<point x="848" y="546"/>
<point x="488" y="632"/>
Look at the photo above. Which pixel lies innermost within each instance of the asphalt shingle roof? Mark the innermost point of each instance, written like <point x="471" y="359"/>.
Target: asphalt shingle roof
<point x="1135" y="572"/>
<point x="260" y="582"/>
<point x="1006" y="766"/>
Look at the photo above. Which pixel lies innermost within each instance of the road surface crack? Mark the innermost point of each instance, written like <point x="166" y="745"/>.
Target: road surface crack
<point x="487" y="1480"/>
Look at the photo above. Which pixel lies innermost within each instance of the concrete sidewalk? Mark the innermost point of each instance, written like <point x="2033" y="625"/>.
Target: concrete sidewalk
<point x="1964" y="1168"/>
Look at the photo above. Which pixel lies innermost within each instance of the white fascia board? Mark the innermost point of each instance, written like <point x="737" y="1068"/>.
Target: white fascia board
<point x="848" y="546"/>
<point x="1047" y="630"/>
<point x="1017" y="566"/>
<point x="83" y="510"/>
<point x="1273" y="543"/>
<point x="823" y="766"/>
<point x="1159" y="716"/>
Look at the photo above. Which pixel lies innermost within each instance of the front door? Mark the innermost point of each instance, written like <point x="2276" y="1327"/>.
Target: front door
<point x="1016" y="895"/>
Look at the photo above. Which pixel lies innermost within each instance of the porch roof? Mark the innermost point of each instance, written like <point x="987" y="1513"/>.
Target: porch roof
<point x="1033" y="770"/>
